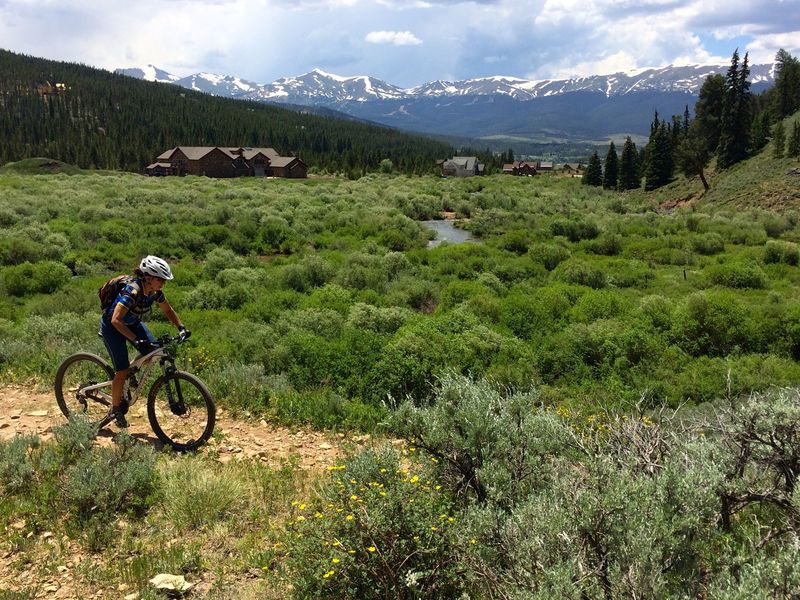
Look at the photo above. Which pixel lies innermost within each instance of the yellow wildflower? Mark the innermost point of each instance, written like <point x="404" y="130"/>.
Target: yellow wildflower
<point x="372" y="548"/>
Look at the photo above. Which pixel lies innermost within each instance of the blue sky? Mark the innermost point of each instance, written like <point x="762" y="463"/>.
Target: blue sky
<point x="403" y="42"/>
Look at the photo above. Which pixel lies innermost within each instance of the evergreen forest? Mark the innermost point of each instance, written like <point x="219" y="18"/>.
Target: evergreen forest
<point x="105" y="121"/>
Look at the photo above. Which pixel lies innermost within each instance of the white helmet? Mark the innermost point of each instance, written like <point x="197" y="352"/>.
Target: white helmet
<point x="158" y="267"/>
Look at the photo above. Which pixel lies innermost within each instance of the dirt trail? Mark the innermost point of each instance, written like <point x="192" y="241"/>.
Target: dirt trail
<point x="24" y="410"/>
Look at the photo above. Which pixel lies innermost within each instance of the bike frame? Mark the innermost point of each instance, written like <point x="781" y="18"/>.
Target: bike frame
<point x="142" y="366"/>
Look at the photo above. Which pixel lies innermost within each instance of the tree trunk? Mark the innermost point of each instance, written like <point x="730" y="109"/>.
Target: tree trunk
<point x="703" y="178"/>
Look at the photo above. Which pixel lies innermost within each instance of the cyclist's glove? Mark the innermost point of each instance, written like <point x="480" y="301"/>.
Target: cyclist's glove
<point x="184" y="333"/>
<point x="144" y="346"/>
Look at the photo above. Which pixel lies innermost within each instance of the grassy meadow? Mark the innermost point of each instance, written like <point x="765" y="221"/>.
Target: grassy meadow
<point x="595" y="394"/>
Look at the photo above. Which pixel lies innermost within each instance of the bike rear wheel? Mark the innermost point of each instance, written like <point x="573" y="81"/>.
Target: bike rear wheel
<point x="76" y="373"/>
<point x="181" y="410"/>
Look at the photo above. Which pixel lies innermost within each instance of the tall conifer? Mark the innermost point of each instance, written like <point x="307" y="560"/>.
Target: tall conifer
<point x="629" y="168"/>
<point x="787" y="84"/>
<point x="658" y="170"/>
<point x="610" y="171"/>
<point x="594" y="171"/>
<point x="735" y="121"/>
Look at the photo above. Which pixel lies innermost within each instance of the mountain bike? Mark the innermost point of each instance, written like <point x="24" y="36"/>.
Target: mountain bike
<point x="180" y="408"/>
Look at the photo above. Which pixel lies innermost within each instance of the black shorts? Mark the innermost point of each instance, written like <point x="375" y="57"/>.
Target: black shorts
<point x="116" y="342"/>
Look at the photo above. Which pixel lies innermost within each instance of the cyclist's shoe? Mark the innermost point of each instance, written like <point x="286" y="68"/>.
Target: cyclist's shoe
<point x="116" y="414"/>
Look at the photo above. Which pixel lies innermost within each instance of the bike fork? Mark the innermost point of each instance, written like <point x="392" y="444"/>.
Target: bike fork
<point x="175" y="400"/>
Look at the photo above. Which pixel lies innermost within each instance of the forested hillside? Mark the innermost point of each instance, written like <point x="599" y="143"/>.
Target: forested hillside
<point x="106" y="121"/>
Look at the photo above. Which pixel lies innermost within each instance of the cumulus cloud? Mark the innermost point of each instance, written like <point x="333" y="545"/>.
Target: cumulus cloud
<point x="397" y="38"/>
<point x="469" y="38"/>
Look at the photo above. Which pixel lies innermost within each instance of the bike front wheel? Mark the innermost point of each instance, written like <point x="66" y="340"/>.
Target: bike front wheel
<point x="83" y="386"/>
<point x="181" y="410"/>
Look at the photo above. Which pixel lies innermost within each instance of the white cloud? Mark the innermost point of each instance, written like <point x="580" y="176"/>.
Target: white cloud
<point x="262" y="40"/>
<point x="398" y="38"/>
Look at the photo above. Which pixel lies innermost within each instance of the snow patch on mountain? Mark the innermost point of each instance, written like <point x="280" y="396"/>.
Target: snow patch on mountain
<point x="321" y="87"/>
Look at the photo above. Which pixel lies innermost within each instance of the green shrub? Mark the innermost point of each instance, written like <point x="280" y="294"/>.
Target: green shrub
<point x="38" y="278"/>
<point x="380" y="320"/>
<point x="574" y="230"/>
<point x="238" y="386"/>
<point x="419" y="294"/>
<point x="324" y="409"/>
<point x="629" y="273"/>
<point x="711" y="323"/>
<point x="16" y="463"/>
<point x="739" y="275"/>
<point x="580" y="273"/>
<point x="377" y="529"/>
<point x="108" y="482"/>
<point x="220" y="259"/>
<point x="197" y="494"/>
<point x="606" y="245"/>
<point x="549" y="255"/>
<point x="457" y="292"/>
<point x="708" y="244"/>
<point x="599" y="349"/>
<point x="515" y="241"/>
<point x="206" y="296"/>
<point x="776" y="251"/>
<point x="536" y="312"/>
<point x="488" y="446"/>
<point x="776" y="225"/>
<point x="595" y="305"/>
<point x="658" y="311"/>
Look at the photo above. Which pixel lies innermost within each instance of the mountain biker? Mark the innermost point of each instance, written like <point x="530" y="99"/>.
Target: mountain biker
<point x="122" y="321"/>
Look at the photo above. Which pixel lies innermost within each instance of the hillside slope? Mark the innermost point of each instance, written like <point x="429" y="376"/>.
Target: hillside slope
<point x="95" y="119"/>
<point x="762" y="181"/>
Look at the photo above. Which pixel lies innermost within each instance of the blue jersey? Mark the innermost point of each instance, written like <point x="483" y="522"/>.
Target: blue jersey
<point x="136" y="301"/>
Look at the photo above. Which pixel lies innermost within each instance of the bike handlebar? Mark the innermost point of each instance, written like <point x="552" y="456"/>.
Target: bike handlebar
<point x="168" y="339"/>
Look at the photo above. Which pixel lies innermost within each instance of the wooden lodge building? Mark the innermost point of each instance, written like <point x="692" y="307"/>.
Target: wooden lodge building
<point x="227" y="162"/>
<point x="520" y="168"/>
<point x="461" y="166"/>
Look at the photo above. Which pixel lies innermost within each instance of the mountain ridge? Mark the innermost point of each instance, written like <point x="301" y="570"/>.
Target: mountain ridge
<point x="320" y="86"/>
<point x="495" y="111"/>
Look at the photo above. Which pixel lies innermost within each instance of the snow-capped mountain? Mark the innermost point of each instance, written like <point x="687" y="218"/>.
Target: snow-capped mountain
<point x="319" y="87"/>
<point x="218" y="85"/>
<point x="492" y="108"/>
<point x="149" y="73"/>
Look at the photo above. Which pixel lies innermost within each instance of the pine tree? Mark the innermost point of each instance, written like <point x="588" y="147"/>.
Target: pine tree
<point x="793" y="145"/>
<point x="610" y="171"/>
<point x="594" y="171"/>
<point x="686" y="120"/>
<point x="778" y="139"/>
<point x="735" y="121"/>
<point x="629" y="167"/>
<point x="759" y="132"/>
<point x="708" y="109"/>
<point x="787" y="84"/>
<point x="658" y="170"/>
